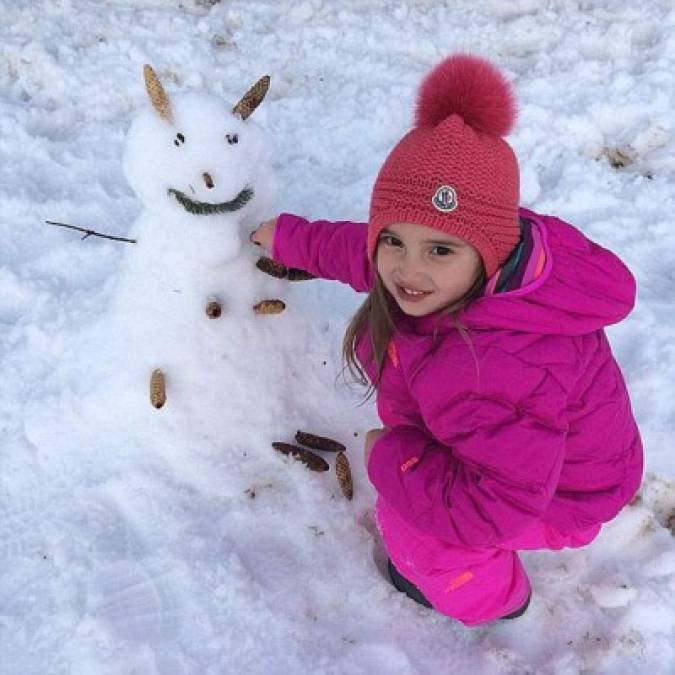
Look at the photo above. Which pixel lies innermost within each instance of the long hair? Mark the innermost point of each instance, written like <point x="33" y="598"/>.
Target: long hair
<point x="375" y="314"/>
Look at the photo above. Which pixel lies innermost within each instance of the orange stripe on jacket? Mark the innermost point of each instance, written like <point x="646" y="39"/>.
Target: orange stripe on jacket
<point x="393" y="354"/>
<point x="459" y="581"/>
<point x="408" y="463"/>
<point x="540" y="264"/>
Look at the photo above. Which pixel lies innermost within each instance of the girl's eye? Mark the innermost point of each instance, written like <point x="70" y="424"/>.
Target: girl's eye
<point x="389" y="240"/>
<point x="232" y="139"/>
<point x="179" y="140"/>
<point x="442" y="251"/>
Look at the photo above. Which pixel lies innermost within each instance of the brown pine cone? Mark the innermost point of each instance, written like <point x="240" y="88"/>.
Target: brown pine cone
<point x="319" y="442"/>
<point x="294" y="274"/>
<point x="344" y="475"/>
<point x="157" y="388"/>
<point x="269" y="307"/>
<point x="213" y="309"/>
<point x="312" y="461"/>
<point x="272" y="267"/>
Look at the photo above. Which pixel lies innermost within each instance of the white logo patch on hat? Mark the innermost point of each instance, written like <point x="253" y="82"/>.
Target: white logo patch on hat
<point x="445" y="199"/>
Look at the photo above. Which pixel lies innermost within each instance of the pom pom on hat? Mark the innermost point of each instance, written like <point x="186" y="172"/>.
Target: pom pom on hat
<point x="471" y="88"/>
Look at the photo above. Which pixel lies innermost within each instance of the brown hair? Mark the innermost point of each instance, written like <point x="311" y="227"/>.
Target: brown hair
<point x="375" y="314"/>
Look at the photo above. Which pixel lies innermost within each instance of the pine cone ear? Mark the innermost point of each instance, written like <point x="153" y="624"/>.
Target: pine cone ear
<point x="160" y="101"/>
<point x="252" y="98"/>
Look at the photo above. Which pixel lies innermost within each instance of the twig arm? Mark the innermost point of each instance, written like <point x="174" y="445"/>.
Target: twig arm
<point x="89" y="233"/>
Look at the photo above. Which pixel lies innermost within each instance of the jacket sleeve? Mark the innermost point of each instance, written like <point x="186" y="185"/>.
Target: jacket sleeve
<point x="488" y="463"/>
<point x="335" y="251"/>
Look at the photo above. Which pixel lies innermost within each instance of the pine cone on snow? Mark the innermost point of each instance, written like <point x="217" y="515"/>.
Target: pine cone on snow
<point x="295" y="274"/>
<point x="312" y="461"/>
<point x="159" y="99"/>
<point x="252" y="98"/>
<point x="157" y="388"/>
<point x="279" y="271"/>
<point x="319" y="442"/>
<point x="213" y="309"/>
<point x="271" y="267"/>
<point x="269" y="307"/>
<point x="344" y="475"/>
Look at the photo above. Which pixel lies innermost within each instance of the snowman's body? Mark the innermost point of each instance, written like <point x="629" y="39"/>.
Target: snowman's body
<point x="205" y="178"/>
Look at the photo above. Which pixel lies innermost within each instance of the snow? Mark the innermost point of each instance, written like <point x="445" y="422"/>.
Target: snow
<point x="177" y="541"/>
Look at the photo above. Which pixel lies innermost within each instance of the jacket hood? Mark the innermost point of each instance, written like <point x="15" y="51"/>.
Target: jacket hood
<point x="583" y="288"/>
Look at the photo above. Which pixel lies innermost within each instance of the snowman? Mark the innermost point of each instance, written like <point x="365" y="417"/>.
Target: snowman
<point x="189" y="286"/>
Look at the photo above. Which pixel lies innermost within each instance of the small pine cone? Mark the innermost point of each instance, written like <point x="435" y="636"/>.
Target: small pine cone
<point x="344" y="475"/>
<point x="295" y="274"/>
<point x="160" y="100"/>
<point x="252" y="98"/>
<point x="308" y="458"/>
<point x="157" y="388"/>
<point x="269" y="307"/>
<point x="319" y="442"/>
<point x="213" y="309"/>
<point x="272" y="267"/>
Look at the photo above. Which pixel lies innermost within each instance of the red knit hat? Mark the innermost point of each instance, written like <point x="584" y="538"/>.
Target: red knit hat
<point x="453" y="171"/>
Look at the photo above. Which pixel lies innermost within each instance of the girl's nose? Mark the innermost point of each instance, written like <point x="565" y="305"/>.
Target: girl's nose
<point x="208" y="180"/>
<point x="409" y="268"/>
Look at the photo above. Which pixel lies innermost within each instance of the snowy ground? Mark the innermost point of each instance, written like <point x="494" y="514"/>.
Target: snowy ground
<point x="139" y="544"/>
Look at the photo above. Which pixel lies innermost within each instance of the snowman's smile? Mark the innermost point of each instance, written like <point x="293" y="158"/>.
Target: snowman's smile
<point x="204" y="208"/>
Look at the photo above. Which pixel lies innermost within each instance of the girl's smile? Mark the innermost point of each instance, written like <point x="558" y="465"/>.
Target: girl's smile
<point x="424" y="269"/>
<point x="408" y="294"/>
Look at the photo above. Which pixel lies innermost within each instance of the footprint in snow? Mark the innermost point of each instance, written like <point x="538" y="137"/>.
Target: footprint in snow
<point x="136" y="604"/>
<point x="129" y="593"/>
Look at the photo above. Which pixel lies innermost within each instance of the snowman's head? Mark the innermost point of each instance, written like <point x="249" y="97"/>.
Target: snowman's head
<point x="191" y="153"/>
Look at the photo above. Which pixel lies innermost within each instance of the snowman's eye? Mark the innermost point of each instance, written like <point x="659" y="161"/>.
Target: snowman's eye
<point x="232" y="139"/>
<point x="179" y="140"/>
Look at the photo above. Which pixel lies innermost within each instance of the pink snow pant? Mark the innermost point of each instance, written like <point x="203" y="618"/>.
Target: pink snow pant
<point x="473" y="586"/>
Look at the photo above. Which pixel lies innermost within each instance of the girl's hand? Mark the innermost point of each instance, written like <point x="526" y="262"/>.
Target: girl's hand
<point x="264" y="235"/>
<point x="371" y="437"/>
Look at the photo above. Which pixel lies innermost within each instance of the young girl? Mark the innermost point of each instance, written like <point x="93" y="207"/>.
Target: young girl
<point x="506" y="421"/>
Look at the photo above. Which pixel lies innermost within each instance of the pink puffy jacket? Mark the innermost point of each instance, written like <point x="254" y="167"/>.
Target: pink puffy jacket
<point x="538" y="426"/>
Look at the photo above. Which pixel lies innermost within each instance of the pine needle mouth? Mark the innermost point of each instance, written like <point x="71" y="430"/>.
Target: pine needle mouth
<point x="205" y="208"/>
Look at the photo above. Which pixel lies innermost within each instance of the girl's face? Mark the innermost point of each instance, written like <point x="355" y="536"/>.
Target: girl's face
<point x="425" y="270"/>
